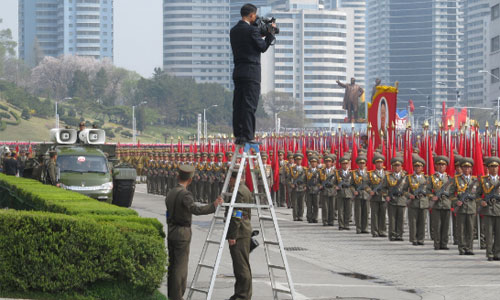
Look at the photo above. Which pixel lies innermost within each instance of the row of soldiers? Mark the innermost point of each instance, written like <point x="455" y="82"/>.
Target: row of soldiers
<point x="457" y="203"/>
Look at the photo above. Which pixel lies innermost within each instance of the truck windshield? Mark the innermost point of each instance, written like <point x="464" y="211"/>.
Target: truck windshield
<point x="82" y="164"/>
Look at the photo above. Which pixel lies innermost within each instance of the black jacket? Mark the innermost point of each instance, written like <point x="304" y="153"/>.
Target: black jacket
<point x="10" y="166"/>
<point x="247" y="45"/>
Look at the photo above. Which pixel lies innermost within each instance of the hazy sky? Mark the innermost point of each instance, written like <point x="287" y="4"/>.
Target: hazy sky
<point x="138" y="32"/>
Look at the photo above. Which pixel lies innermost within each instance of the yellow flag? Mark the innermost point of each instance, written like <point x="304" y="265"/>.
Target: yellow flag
<point x="363" y="98"/>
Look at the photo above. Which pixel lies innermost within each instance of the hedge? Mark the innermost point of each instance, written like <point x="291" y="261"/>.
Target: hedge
<point x="60" y="241"/>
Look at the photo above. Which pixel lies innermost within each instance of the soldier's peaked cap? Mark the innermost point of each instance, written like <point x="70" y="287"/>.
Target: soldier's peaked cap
<point x="186" y="171"/>
<point x="345" y="159"/>
<point x="313" y="158"/>
<point x="418" y="161"/>
<point x="441" y="159"/>
<point x="298" y="156"/>
<point x="361" y="159"/>
<point x="493" y="161"/>
<point x="398" y="160"/>
<point x="328" y="157"/>
<point x="458" y="159"/>
<point x="466" y="162"/>
<point x="377" y="157"/>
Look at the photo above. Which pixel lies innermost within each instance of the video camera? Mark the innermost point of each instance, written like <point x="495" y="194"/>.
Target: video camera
<point x="265" y="25"/>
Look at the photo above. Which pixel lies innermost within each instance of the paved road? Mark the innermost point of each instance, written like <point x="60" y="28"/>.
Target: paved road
<point x="331" y="264"/>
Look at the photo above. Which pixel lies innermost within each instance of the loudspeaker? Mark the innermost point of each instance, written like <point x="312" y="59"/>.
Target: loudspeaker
<point x="63" y="136"/>
<point x="92" y="136"/>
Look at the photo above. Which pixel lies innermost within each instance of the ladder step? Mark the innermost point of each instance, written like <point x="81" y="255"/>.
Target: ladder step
<point x="282" y="291"/>
<point x="245" y="205"/>
<point x="271" y="243"/>
<point x="219" y="217"/>
<point x="213" y="242"/>
<point x="277" y="267"/>
<point x="266" y="218"/>
<point x="199" y="290"/>
<point x="206" y="266"/>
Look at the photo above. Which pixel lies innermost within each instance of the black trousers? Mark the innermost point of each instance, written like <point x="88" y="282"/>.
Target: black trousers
<point x="245" y="101"/>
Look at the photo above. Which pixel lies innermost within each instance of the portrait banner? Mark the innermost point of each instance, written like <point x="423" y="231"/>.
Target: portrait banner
<point x="382" y="111"/>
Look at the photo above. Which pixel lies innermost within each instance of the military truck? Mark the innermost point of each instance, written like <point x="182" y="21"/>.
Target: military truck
<point x="89" y="166"/>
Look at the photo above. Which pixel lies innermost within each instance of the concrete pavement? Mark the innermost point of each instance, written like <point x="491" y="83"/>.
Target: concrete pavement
<point x="331" y="264"/>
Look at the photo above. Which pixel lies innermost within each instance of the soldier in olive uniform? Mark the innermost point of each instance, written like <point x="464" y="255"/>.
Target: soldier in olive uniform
<point x="441" y="203"/>
<point x="239" y="235"/>
<point x="149" y="173"/>
<point x="202" y="168"/>
<point x="464" y="192"/>
<point x="52" y="177"/>
<point x="490" y="208"/>
<point x="289" y="190"/>
<point x="417" y="192"/>
<point x="196" y="177"/>
<point x="180" y="208"/>
<point x="298" y="185"/>
<point x="378" y="206"/>
<point x="170" y="172"/>
<point x="458" y="171"/>
<point x="361" y="180"/>
<point x="345" y="193"/>
<point x="328" y="190"/>
<point x="396" y="200"/>
<point x="313" y="188"/>
<point x="282" y="179"/>
<point x="218" y="173"/>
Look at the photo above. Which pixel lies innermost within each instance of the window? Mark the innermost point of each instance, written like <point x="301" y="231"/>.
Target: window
<point x="495" y="75"/>
<point x="495" y="43"/>
<point x="495" y="12"/>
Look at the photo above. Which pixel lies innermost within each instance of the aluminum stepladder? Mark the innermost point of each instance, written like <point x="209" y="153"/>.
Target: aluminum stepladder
<point x="265" y="213"/>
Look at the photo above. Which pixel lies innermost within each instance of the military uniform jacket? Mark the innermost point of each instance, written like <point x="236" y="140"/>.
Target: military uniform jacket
<point x="202" y="168"/>
<point x="418" y="185"/>
<point x="488" y="187"/>
<point x="52" y="173"/>
<point x="346" y="184"/>
<point x="441" y="183"/>
<point x="361" y="182"/>
<point x="465" y="189"/>
<point x="219" y="171"/>
<point x="180" y="208"/>
<point x="394" y="188"/>
<point x="313" y="180"/>
<point x="283" y="171"/>
<point x="328" y="179"/>
<point x="298" y="178"/>
<point x="377" y="179"/>
<point x="240" y="225"/>
<point x="288" y="168"/>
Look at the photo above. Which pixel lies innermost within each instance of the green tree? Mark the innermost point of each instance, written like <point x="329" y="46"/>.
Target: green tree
<point x="7" y="47"/>
<point x="99" y="84"/>
<point x="80" y="85"/>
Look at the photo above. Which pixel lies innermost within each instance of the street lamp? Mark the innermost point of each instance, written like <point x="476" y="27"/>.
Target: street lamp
<point x="498" y="100"/>
<point x="57" y="114"/>
<point x="487" y="72"/>
<point x="205" y="119"/>
<point x="134" y="131"/>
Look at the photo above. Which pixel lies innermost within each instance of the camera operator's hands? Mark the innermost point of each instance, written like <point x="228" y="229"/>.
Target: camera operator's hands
<point x="231" y="242"/>
<point x="218" y="201"/>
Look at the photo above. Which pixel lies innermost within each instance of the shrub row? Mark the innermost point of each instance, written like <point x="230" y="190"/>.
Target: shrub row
<point x="64" y="241"/>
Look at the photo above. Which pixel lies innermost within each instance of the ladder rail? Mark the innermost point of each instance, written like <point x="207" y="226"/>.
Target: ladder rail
<point x="261" y="224"/>
<point x="277" y="231"/>
<point x="246" y="158"/>
<point x="226" y="228"/>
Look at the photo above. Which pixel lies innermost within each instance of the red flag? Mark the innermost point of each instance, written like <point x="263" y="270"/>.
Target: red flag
<point x="451" y="165"/>
<point x="478" y="169"/>
<point x="369" y="155"/>
<point x="276" y="168"/>
<point x="430" y="161"/>
<point x="305" y="160"/>
<point x="354" y="155"/>
<point x="29" y="149"/>
<point x="412" y="106"/>
<point x="248" y="177"/>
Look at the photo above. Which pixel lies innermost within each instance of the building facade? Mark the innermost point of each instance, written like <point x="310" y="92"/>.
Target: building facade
<point x="196" y="40"/>
<point x="475" y="40"/>
<point x="310" y="54"/>
<point x="359" y="7"/>
<point x="493" y="55"/>
<point x="65" y="27"/>
<point x="417" y="44"/>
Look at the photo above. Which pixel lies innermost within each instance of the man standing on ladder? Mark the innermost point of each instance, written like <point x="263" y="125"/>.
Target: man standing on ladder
<point x="239" y="235"/>
<point x="180" y="208"/>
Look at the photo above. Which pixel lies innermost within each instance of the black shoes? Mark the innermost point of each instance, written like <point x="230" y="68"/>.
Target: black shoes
<point x="415" y="244"/>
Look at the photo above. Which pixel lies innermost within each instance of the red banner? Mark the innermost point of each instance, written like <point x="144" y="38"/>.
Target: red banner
<point x="382" y="111"/>
<point x="455" y="117"/>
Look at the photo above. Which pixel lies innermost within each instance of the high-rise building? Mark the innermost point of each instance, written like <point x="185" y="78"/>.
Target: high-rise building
<point x="493" y="55"/>
<point x="416" y="43"/>
<point x="65" y="27"/>
<point x="475" y="39"/>
<point x="311" y="53"/>
<point x="196" y="40"/>
<point x="359" y="7"/>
